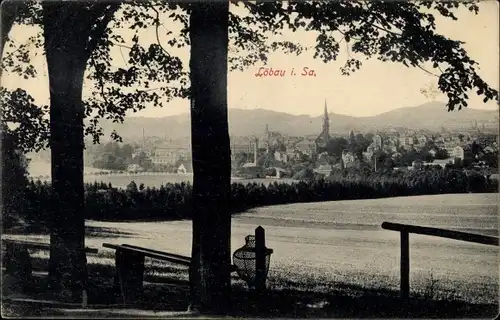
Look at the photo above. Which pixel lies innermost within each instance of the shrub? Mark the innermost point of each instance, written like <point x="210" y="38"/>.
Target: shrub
<point x="13" y="181"/>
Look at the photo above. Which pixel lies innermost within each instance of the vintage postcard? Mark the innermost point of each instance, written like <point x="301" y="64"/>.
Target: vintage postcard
<point x="255" y="159"/>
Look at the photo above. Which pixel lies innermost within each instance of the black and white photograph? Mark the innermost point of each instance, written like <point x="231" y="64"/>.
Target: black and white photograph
<point x="249" y="159"/>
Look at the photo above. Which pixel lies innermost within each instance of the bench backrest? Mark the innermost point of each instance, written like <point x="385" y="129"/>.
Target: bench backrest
<point x="173" y="255"/>
<point x="149" y="253"/>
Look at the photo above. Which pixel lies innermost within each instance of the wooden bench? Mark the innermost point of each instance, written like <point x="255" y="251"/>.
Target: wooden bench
<point x="17" y="261"/>
<point x="129" y="260"/>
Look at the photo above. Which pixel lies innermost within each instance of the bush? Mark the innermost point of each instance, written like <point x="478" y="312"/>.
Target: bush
<point x="14" y="180"/>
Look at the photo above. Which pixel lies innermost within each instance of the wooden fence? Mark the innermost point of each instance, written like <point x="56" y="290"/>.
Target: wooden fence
<point x="406" y="229"/>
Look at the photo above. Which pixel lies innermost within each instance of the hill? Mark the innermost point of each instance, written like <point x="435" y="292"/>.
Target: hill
<point x="244" y="122"/>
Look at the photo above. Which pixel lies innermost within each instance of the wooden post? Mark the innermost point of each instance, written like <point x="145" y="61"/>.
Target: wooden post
<point x="129" y="274"/>
<point x="260" y="259"/>
<point x="405" y="265"/>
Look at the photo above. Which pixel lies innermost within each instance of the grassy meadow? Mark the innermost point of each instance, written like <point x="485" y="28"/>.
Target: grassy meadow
<point x="333" y="245"/>
<point x="41" y="170"/>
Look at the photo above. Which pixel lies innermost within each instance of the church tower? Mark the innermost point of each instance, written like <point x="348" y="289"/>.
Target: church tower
<point x="326" y="122"/>
<point x="324" y="136"/>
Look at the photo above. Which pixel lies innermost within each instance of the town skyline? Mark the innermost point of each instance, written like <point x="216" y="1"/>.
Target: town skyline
<point x="376" y="88"/>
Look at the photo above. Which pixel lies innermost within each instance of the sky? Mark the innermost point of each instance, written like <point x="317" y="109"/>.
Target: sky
<point x="378" y="87"/>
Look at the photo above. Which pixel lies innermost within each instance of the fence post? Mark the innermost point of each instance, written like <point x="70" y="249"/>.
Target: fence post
<point x="405" y="265"/>
<point x="260" y="259"/>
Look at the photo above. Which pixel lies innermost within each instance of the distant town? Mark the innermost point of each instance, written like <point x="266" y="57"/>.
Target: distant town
<point x="277" y="155"/>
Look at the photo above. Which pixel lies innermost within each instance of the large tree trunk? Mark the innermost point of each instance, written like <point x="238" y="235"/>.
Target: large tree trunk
<point x="210" y="271"/>
<point x="66" y="62"/>
<point x="72" y="31"/>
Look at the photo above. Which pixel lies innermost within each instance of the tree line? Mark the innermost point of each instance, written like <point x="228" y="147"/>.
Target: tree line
<point x="173" y="201"/>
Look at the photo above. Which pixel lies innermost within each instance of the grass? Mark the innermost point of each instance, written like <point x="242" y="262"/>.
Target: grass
<point x="166" y="289"/>
<point x="330" y="259"/>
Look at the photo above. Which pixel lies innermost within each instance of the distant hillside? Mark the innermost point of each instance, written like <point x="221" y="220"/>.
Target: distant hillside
<point x="243" y="122"/>
<point x="433" y="116"/>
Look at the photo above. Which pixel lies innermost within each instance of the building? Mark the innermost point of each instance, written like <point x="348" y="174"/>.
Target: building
<point x="279" y="172"/>
<point x="306" y="147"/>
<point x="323" y="138"/>
<point x="324" y="169"/>
<point x="291" y="152"/>
<point x="377" y="142"/>
<point x="271" y="139"/>
<point x="241" y="145"/>
<point x="137" y="152"/>
<point x="487" y="139"/>
<point x="440" y="163"/>
<point x="455" y="150"/>
<point x="406" y="141"/>
<point x="134" y="168"/>
<point x="348" y="158"/>
<point x="458" y="152"/>
<point x="170" y="154"/>
<point x="185" y="167"/>
<point x="491" y="149"/>
<point x="422" y="139"/>
<point x="281" y="156"/>
<point x="367" y="155"/>
<point x="254" y="163"/>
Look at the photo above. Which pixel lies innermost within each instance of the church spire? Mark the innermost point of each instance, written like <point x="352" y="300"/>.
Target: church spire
<point x="326" y="121"/>
<point x="324" y="136"/>
<point x="326" y="111"/>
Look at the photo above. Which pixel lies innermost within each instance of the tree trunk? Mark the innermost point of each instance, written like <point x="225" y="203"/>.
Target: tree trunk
<point x="66" y="62"/>
<point x="210" y="271"/>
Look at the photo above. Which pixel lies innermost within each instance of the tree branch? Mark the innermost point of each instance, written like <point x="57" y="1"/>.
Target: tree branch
<point x="121" y="45"/>
<point x="427" y="71"/>
<point x="157" y="26"/>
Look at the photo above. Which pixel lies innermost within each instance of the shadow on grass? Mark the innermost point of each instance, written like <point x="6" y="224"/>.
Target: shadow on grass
<point x="30" y="229"/>
<point x="337" y="304"/>
<point x="166" y="289"/>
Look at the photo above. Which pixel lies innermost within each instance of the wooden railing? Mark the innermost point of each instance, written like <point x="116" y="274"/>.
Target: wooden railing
<point x="406" y="229"/>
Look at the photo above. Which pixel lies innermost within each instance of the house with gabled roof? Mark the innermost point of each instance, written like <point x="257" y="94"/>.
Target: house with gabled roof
<point x="185" y="167"/>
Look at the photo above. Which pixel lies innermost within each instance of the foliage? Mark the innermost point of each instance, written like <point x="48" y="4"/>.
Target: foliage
<point x="14" y="179"/>
<point x="18" y="108"/>
<point x="358" y="144"/>
<point x="172" y="201"/>
<point x="241" y="158"/>
<point x="305" y="174"/>
<point x="132" y="187"/>
<point x="115" y="156"/>
<point x="335" y="146"/>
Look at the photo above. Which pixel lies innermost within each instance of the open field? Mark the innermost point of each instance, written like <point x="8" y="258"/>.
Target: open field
<point x="41" y="170"/>
<point x="324" y="245"/>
